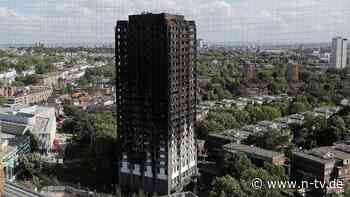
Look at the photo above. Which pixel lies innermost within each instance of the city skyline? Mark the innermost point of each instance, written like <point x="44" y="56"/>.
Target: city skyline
<point x="168" y="111"/>
<point x="91" y="21"/>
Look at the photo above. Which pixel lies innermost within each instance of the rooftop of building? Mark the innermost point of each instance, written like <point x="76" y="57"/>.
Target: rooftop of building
<point x="309" y="156"/>
<point x="251" y="150"/>
<point x="16" y="120"/>
<point x="234" y="132"/>
<point x="231" y="134"/>
<point x="12" y="108"/>
<point x="155" y="13"/>
<point x="267" y="123"/>
<point x="327" y="109"/>
<point x="51" y="74"/>
<point x="325" y="154"/>
<point x="343" y="142"/>
<point x="9" y="143"/>
<point x="38" y="110"/>
<point x="6" y="151"/>
<point x="13" y="128"/>
<point x="154" y="17"/>
<point x="330" y="152"/>
<point x="30" y="90"/>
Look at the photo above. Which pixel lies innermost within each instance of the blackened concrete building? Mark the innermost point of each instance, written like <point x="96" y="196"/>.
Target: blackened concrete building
<point x="156" y="102"/>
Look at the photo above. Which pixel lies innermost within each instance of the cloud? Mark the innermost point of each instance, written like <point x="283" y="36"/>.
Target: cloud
<point x="217" y="20"/>
<point x="5" y="12"/>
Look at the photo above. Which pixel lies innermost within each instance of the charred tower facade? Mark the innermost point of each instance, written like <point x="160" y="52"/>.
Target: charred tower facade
<point x="156" y="102"/>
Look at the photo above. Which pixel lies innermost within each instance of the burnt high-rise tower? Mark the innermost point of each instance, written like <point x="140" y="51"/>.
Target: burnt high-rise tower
<point x="156" y="102"/>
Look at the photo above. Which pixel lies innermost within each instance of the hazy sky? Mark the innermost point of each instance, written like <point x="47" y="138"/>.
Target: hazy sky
<point x="67" y="21"/>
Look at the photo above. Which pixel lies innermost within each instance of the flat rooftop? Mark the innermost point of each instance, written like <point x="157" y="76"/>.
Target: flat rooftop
<point x="251" y="150"/>
<point x="337" y="154"/>
<point x="13" y="142"/>
<point x="324" y="154"/>
<point x="312" y="157"/>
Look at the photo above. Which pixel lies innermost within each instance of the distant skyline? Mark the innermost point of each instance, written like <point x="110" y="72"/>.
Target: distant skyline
<point x="93" y="21"/>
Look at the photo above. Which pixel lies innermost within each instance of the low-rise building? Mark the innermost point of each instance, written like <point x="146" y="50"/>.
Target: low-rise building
<point x="283" y="120"/>
<point x="30" y="71"/>
<point x="201" y="113"/>
<point x="30" y="95"/>
<point x="11" y="148"/>
<point x="296" y="119"/>
<point x="326" y="111"/>
<point x="49" y="79"/>
<point x="8" y="91"/>
<point x="257" y="155"/>
<point x="269" y="125"/>
<point x="9" y="76"/>
<point x="253" y="128"/>
<point x="41" y="121"/>
<point x="217" y="140"/>
<point x="323" y="163"/>
<point x="253" y="89"/>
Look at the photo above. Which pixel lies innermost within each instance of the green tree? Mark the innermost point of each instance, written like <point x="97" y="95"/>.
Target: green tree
<point x="3" y="100"/>
<point x="27" y="80"/>
<point x="336" y="130"/>
<point x="44" y="68"/>
<point x="309" y="135"/>
<point x="69" y="126"/>
<point x="239" y="174"/>
<point x="68" y="89"/>
<point x="34" y="142"/>
<point x="272" y="140"/>
<point x="18" y="83"/>
<point x="265" y="74"/>
<point x="30" y="166"/>
<point x="70" y="110"/>
<point x="205" y="127"/>
<point x="256" y="113"/>
<point x="235" y="165"/>
<point x="95" y="146"/>
<point x="275" y="171"/>
<point x="271" y="113"/>
<point x="298" y="107"/>
<point x="226" y="186"/>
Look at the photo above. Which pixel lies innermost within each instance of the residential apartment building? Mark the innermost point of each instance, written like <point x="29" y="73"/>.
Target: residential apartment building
<point x="323" y="163"/>
<point x="30" y="95"/>
<point x="293" y="72"/>
<point x="7" y="91"/>
<point x="49" y="79"/>
<point x="257" y="155"/>
<point x="41" y="121"/>
<point x="339" y="53"/>
<point x="9" y="76"/>
<point x="11" y="148"/>
<point x="156" y="102"/>
<point x="250" y="71"/>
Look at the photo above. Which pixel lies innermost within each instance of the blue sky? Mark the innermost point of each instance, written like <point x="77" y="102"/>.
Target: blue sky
<point x="67" y="21"/>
